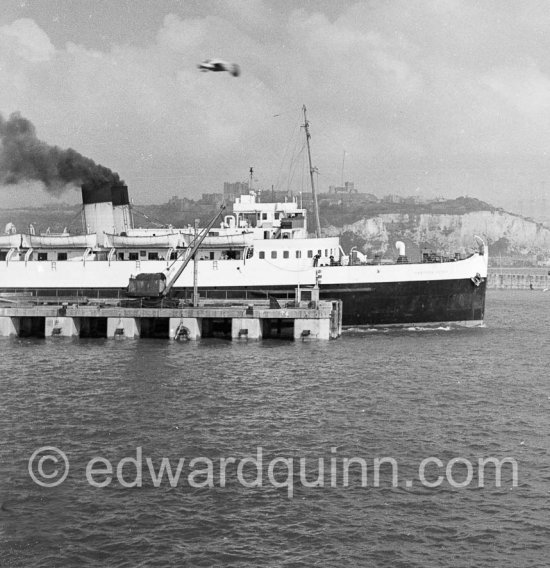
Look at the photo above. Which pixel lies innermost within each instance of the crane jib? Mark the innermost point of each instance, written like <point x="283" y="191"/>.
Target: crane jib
<point x="157" y="285"/>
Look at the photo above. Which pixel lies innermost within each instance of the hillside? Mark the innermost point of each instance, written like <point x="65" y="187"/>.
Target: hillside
<point x="506" y="234"/>
<point x="348" y="212"/>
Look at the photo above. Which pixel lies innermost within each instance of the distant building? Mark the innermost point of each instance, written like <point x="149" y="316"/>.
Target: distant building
<point x="273" y="196"/>
<point x="392" y="198"/>
<point x="179" y="203"/>
<point x="212" y="198"/>
<point x="235" y="189"/>
<point x="349" y="187"/>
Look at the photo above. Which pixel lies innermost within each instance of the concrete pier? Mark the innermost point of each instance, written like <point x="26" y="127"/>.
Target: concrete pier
<point x="311" y="329"/>
<point x="9" y="327"/>
<point x="62" y="327"/>
<point x="518" y="278"/>
<point x="185" y="328"/>
<point x="246" y="328"/>
<point x="238" y="321"/>
<point x="123" y="327"/>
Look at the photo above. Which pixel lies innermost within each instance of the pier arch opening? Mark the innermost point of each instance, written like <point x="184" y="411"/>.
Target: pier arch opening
<point x="93" y="327"/>
<point x="278" y="328"/>
<point x="216" y="327"/>
<point x="32" y="327"/>
<point x="155" y="328"/>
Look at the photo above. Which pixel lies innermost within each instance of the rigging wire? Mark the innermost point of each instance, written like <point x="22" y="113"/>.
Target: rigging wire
<point x="294" y="147"/>
<point x="152" y="219"/>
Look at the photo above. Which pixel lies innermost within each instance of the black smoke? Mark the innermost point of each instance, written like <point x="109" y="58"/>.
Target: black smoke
<point x="23" y="157"/>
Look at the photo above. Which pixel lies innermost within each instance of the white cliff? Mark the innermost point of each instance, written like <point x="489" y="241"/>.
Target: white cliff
<point x="451" y="232"/>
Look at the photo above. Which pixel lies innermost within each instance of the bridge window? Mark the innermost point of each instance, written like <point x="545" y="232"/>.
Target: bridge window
<point x="310" y="254"/>
<point x="273" y="254"/>
<point x="133" y="256"/>
<point x="42" y="256"/>
<point x="61" y="256"/>
<point x="142" y="253"/>
<point x="261" y="254"/>
<point x="286" y="254"/>
<point x="120" y="256"/>
<point x="153" y="256"/>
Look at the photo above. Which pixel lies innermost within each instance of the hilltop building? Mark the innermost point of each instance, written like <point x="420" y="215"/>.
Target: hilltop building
<point x="233" y="190"/>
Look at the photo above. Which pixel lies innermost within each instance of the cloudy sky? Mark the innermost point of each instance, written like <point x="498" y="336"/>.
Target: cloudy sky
<point x="433" y="97"/>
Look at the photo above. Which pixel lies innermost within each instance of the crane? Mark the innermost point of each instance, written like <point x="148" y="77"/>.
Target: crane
<point x="159" y="284"/>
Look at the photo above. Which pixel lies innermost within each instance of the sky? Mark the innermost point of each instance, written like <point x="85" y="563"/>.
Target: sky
<point x="424" y="97"/>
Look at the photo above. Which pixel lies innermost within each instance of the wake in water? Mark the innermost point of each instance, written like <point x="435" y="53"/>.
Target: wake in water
<point x="396" y="329"/>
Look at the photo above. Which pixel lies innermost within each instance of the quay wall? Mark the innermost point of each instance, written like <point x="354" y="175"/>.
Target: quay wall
<point x="518" y="279"/>
<point x="321" y="321"/>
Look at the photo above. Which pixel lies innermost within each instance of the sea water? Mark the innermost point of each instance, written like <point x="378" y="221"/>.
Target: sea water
<point x="296" y="410"/>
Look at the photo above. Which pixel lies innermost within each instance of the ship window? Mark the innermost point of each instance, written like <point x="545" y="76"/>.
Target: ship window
<point x="264" y="216"/>
<point x="298" y="254"/>
<point x="173" y="255"/>
<point x="42" y="256"/>
<point x="310" y="254"/>
<point x="277" y="215"/>
<point x="211" y="255"/>
<point x="3" y="255"/>
<point x="273" y="254"/>
<point x="286" y="254"/>
<point x="120" y="256"/>
<point x="61" y="256"/>
<point x="326" y="252"/>
<point x="142" y="253"/>
<point x="261" y="254"/>
<point x="153" y="256"/>
<point x="133" y="256"/>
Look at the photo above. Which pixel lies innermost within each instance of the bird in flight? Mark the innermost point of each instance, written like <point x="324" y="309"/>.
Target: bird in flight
<point x="219" y="65"/>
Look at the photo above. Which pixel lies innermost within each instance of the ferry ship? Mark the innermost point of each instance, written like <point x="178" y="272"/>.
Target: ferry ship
<point x="261" y="250"/>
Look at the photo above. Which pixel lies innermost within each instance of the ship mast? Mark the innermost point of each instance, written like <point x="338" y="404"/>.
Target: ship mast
<point x="312" y="170"/>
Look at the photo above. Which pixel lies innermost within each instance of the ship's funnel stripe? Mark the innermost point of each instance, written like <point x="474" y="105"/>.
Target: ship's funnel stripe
<point x="115" y="194"/>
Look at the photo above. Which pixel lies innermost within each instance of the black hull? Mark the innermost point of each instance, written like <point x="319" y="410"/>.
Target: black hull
<point x="369" y="304"/>
<point x="402" y="303"/>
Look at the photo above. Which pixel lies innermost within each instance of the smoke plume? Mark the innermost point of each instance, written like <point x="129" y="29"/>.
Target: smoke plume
<point x="23" y="157"/>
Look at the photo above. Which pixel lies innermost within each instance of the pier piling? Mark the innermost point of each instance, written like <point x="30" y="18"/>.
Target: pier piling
<point x="238" y="321"/>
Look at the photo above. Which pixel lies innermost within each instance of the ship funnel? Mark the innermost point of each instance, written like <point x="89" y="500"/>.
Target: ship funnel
<point x="106" y="209"/>
<point x="122" y="214"/>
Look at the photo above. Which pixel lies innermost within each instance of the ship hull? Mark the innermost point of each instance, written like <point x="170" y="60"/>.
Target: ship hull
<point x="459" y="302"/>
<point x="373" y="295"/>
